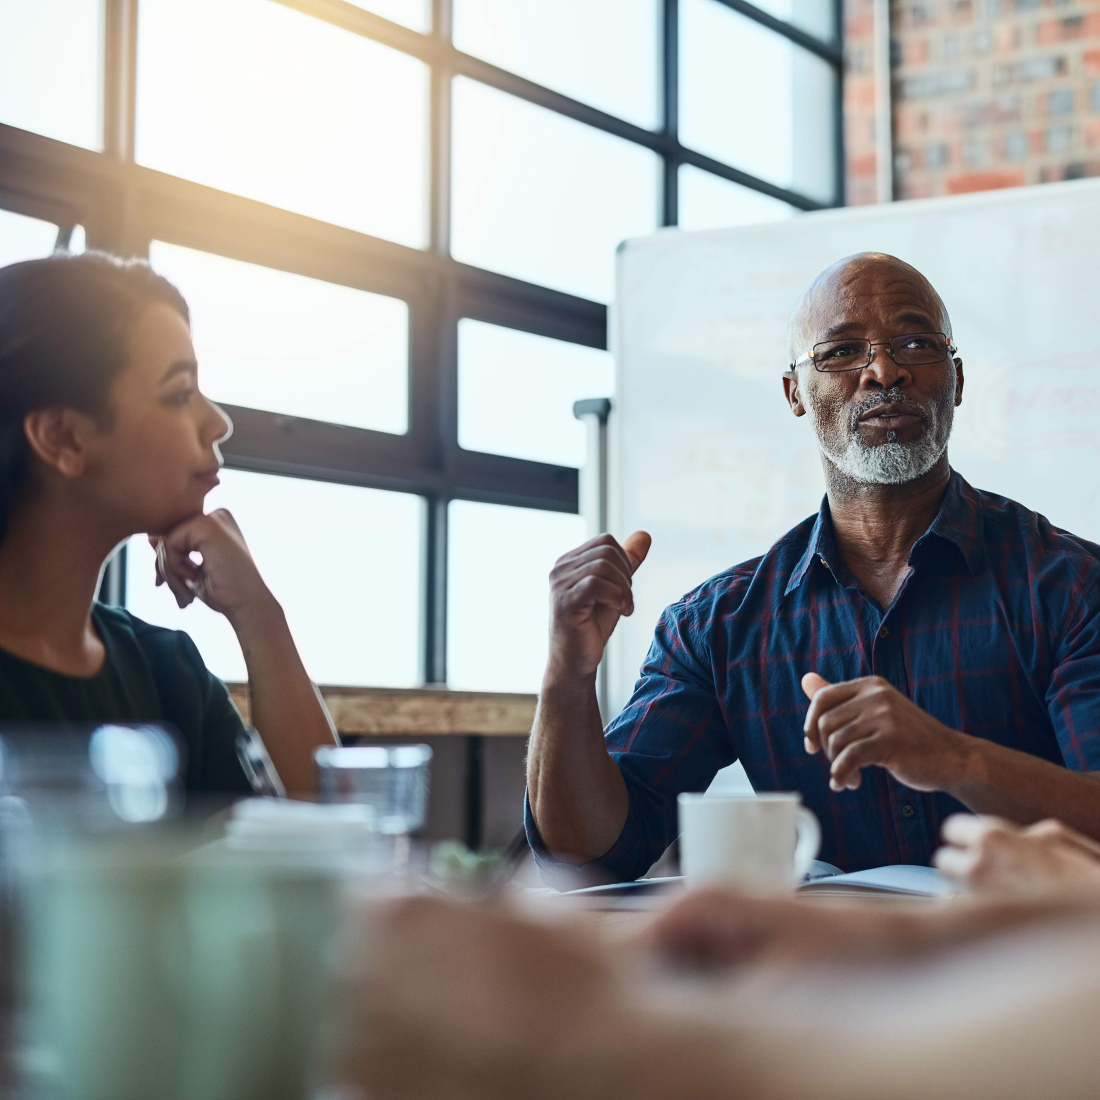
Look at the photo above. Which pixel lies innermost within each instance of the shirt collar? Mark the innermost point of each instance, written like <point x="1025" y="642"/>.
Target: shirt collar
<point x="821" y="545"/>
<point x="958" y="521"/>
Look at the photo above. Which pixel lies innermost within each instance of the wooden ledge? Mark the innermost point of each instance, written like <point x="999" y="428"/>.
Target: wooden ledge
<point x="419" y="712"/>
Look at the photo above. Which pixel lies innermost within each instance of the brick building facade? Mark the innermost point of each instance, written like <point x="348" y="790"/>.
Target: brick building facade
<point x="986" y="93"/>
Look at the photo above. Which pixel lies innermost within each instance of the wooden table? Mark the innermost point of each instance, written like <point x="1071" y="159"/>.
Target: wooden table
<point x="367" y="713"/>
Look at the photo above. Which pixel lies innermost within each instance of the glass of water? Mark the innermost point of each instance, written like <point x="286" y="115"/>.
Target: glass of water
<point x="392" y="779"/>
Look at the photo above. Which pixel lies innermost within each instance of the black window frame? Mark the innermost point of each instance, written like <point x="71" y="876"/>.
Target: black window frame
<point x="124" y="207"/>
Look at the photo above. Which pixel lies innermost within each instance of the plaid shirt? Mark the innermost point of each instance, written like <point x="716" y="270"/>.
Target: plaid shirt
<point x="994" y="632"/>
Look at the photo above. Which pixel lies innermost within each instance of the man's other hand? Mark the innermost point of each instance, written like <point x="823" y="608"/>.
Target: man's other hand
<point x="865" y="722"/>
<point x="590" y="588"/>
<point x="994" y="855"/>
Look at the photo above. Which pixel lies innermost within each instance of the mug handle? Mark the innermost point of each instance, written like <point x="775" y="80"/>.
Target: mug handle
<point x="809" y="843"/>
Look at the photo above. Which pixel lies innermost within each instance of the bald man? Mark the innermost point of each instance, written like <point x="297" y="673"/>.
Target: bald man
<point x="916" y="648"/>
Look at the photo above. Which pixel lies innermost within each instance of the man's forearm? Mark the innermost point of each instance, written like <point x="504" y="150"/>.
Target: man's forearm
<point x="577" y="794"/>
<point x="287" y="709"/>
<point x="1024" y="788"/>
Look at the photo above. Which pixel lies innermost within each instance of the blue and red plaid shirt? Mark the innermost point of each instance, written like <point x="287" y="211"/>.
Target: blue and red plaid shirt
<point x="994" y="632"/>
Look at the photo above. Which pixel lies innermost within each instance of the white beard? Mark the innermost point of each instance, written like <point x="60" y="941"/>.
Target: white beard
<point x="892" y="463"/>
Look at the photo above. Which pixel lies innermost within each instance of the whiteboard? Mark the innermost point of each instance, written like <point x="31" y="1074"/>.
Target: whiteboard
<point x="704" y="452"/>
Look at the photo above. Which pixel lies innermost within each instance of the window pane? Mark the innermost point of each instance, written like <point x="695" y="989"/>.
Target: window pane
<point x="342" y="561"/>
<point x="516" y="392"/>
<point x="543" y="198"/>
<point x="498" y="592"/>
<point x="605" y="54"/>
<point x="753" y="99"/>
<point x="815" y="16"/>
<point x="271" y="340"/>
<point x="251" y="97"/>
<point x="50" y="81"/>
<point x="23" y="238"/>
<point x="411" y="13"/>
<point x="710" y="202"/>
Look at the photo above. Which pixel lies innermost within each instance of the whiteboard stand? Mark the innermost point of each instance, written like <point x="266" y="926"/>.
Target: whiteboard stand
<point x="592" y="496"/>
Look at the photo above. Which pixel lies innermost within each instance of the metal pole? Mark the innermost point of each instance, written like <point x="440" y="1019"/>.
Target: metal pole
<point x="592" y="494"/>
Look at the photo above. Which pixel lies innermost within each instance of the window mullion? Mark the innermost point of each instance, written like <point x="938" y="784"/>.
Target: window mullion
<point x="670" y="97"/>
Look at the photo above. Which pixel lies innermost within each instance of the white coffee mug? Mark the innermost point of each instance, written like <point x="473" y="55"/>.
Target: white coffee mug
<point x="760" y="843"/>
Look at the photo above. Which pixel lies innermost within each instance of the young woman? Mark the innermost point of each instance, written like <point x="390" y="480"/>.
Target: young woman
<point x="104" y="434"/>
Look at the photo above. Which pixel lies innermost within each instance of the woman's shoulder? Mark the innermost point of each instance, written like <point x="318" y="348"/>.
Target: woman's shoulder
<point x="158" y="643"/>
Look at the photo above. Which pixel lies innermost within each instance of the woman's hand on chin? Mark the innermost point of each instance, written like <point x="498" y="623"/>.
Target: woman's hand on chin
<point x="225" y="578"/>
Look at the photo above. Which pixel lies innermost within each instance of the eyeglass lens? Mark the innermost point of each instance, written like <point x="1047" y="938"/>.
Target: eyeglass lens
<point x="910" y="350"/>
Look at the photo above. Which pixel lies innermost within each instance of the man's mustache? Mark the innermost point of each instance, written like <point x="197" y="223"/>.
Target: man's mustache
<point x="888" y="397"/>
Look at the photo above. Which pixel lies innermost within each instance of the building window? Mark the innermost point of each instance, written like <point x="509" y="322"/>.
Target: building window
<point x="395" y="222"/>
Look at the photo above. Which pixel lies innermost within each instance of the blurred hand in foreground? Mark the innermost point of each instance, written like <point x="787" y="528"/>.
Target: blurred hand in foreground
<point x="994" y="855"/>
<point x="476" y="1002"/>
<point x="471" y="1001"/>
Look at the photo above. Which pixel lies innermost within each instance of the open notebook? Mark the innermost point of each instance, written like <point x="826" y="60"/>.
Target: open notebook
<point x="897" y="881"/>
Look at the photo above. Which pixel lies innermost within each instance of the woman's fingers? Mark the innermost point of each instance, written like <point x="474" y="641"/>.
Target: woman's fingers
<point x="176" y="569"/>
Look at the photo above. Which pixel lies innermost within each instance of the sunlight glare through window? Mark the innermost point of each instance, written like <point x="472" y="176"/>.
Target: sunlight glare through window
<point x="271" y="340"/>
<point x="542" y="197"/>
<point x="516" y="392"/>
<point x="815" y="16"/>
<point x="770" y="113"/>
<point x="606" y="54"/>
<point x="710" y="202"/>
<point x="23" y="238"/>
<point x="342" y="561"/>
<point x="50" y="68"/>
<point x="498" y="595"/>
<point x="416" y="14"/>
<point x="251" y="97"/>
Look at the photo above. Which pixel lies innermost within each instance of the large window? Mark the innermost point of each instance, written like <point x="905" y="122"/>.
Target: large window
<point x="395" y="222"/>
<point x="344" y="562"/>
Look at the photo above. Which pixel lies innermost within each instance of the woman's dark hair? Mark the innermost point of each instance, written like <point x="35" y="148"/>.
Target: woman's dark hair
<point x="65" y="323"/>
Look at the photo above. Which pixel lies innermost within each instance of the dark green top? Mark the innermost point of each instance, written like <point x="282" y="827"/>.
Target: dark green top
<point x="151" y="674"/>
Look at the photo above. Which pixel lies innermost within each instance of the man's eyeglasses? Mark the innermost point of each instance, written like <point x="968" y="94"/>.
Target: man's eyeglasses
<point x="913" y="350"/>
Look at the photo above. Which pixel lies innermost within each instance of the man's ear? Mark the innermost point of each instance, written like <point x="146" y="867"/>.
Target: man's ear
<point x="958" y="382"/>
<point x="790" y="388"/>
<point x="59" y="438"/>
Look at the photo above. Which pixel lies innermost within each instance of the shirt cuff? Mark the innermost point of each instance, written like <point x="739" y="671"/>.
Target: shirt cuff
<point x="625" y="860"/>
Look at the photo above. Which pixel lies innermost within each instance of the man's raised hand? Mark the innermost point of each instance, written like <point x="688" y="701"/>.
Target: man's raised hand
<point x="590" y="588"/>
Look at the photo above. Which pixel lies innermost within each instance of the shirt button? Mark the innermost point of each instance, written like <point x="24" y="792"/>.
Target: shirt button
<point x="907" y="810"/>
<point x="884" y="632"/>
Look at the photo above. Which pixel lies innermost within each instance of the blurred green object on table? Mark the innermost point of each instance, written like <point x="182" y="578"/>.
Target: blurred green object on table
<point x="458" y="868"/>
<point x="162" y="968"/>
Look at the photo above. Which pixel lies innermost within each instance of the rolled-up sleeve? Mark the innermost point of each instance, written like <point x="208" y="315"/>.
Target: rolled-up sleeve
<point x="671" y="737"/>
<point x="1073" y="697"/>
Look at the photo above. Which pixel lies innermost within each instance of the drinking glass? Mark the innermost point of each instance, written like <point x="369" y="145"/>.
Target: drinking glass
<point x="392" y="779"/>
